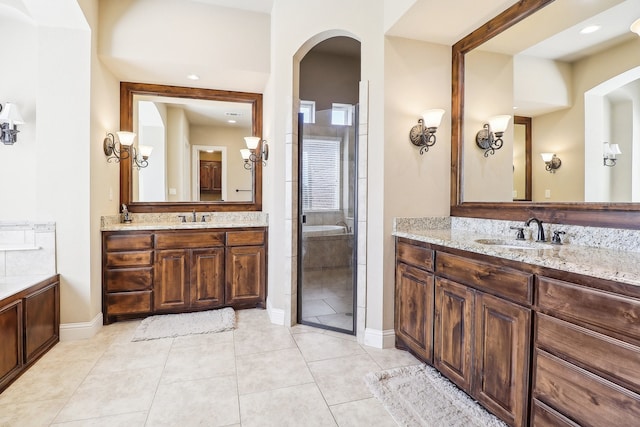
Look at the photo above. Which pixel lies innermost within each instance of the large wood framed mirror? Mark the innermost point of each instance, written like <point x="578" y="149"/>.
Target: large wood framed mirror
<point x="196" y="135"/>
<point x="518" y="55"/>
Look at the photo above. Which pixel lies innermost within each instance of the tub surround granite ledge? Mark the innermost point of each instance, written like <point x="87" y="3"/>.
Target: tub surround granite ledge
<point x="171" y="221"/>
<point x="611" y="254"/>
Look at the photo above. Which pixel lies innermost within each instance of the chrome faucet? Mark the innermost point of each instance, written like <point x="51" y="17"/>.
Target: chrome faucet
<point x="541" y="237"/>
<point x="193" y="215"/>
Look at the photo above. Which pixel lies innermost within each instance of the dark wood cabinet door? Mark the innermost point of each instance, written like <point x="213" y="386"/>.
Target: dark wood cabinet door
<point x="501" y="357"/>
<point x="10" y="342"/>
<point x="206" y="175"/>
<point x="207" y="277"/>
<point x="414" y="310"/>
<point x="171" y="279"/>
<point x="216" y="176"/>
<point x="41" y="321"/>
<point x="453" y="331"/>
<point x="245" y="276"/>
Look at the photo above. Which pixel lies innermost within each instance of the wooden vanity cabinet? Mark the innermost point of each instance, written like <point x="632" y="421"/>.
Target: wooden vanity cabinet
<point x="587" y="354"/>
<point x="482" y="339"/>
<point x="127" y="274"/>
<point x="414" y="300"/>
<point x="29" y="327"/>
<point x="172" y="271"/>
<point x="245" y="269"/>
<point x="188" y="270"/>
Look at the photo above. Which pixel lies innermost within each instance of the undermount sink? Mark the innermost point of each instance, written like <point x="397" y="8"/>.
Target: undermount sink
<point x="513" y="244"/>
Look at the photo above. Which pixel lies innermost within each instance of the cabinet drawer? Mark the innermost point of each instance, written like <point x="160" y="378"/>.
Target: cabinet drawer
<point x="415" y="255"/>
<point x="129" y="279"/>
<point x="609" y="357"/>
<point x="129" y="259"/>
<point x="582" y="396"/>
<point x="543" y="416"/>
<point x="129" y="302"/>
<point x="128" y="242"/>
<point x="502" y="281"/>
<point x="242" y="238"/>
<point x="187" y="240"/>
<point x="590" y="306"/>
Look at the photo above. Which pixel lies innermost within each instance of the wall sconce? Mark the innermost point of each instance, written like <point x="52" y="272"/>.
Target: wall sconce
<point x="551" y="162"/>
<point x="609" y="155"/>
<point x="423" y="134"/>
<point x="251" y="154"/>
<point x="9" y="119"/>
<point x="123" y="147"/>
<point x="635" y="27"/>
<point x="489" y="138"/>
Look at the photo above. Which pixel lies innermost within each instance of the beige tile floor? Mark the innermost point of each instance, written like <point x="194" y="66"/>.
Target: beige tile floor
<point x="327" y="297"/>
<point x="260" y="374"/>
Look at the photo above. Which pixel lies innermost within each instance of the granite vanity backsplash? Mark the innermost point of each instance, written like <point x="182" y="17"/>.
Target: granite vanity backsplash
<point x="594" y="237"/>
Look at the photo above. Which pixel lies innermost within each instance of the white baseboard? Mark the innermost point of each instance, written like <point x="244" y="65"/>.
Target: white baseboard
<point x="276" y="315"/>
<point x="379" y="339"/>
<point x="81" y="330"/>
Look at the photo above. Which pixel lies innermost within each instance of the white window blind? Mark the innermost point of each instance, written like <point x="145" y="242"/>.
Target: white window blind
<point x="320" y="175"/>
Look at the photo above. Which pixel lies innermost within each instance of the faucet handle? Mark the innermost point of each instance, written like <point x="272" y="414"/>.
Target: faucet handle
<point x="520" y="234"/>
<point x="556" y="237"/>
<point x="204" y="217"/>
<point x="183" y="218"/>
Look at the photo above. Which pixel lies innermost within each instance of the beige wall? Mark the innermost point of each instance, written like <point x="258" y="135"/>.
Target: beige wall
<point x="417" y="76"/>
<point x="337" y="70"/>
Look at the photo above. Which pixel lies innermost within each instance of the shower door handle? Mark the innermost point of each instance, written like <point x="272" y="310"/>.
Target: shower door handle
<point x="304" y="219"/>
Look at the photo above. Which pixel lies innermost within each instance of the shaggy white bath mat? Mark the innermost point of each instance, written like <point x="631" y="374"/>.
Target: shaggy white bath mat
<point x="420" y="396"/>
<point x="175" y="325"/>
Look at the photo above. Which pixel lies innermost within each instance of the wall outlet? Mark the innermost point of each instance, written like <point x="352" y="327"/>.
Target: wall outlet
<point x="172" y="191"/>
<point x="547" y="194"/>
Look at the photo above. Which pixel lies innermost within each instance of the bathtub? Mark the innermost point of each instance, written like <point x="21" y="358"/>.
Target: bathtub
<point x="323" y="230"/>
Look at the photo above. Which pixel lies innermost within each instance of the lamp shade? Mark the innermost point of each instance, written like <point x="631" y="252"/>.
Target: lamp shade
<point x="635" y="27"/>
<point x="245" y="153"/>
<point x="432" y="118"/>
<point x="11" y="115"/>
<point x="615" y="149"/>
<point x="145" y="151"/>
<point x="252" y="142"/>
<point x="499" y="123"/>
<point x="547" y="157"/>
<point x="126" y="138"/>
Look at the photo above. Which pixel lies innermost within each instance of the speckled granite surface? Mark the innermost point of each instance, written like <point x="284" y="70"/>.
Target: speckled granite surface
<point x="172" y="221"/>
<point x="611" y="262"/>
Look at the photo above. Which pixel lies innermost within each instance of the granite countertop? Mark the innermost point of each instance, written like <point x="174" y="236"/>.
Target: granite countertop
<point x="611" y="264"/>
<point x="170" y="221"/>
<point x="11" y="285"/>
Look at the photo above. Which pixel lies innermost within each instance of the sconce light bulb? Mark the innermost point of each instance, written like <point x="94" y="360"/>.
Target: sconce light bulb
<point x="635" y="27"/>
<point x="126" y="138"/>
<point x="499" y="124"/>
<point x="252" y="142"/>
<point x="432" y="118"/>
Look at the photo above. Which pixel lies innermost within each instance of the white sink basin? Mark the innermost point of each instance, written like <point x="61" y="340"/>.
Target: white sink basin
<point x="513" y="244"/>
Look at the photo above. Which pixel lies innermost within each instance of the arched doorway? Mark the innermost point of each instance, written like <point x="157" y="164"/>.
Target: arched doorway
<point x="329" y="82"/>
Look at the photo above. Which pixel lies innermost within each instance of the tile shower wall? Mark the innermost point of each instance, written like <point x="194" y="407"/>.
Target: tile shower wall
<point x="27" y="248"/>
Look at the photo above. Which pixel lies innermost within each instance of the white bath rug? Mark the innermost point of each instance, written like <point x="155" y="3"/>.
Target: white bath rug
<point x="175" y="325"/>
<point x="420" y="396"/>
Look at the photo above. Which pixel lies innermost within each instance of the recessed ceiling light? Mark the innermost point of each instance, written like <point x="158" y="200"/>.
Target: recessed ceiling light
<point x="590" y="29"/>
<point x="231" y="121"/>
<point x="193" y="77"/>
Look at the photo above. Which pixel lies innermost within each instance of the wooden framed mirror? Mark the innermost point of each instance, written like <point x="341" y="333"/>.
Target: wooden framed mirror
<point x="577" y="212"/>
<point x="193" y="131"/>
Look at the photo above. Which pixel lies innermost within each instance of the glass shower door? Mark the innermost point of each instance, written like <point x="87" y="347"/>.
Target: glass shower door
<point x="327" y="218"/>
